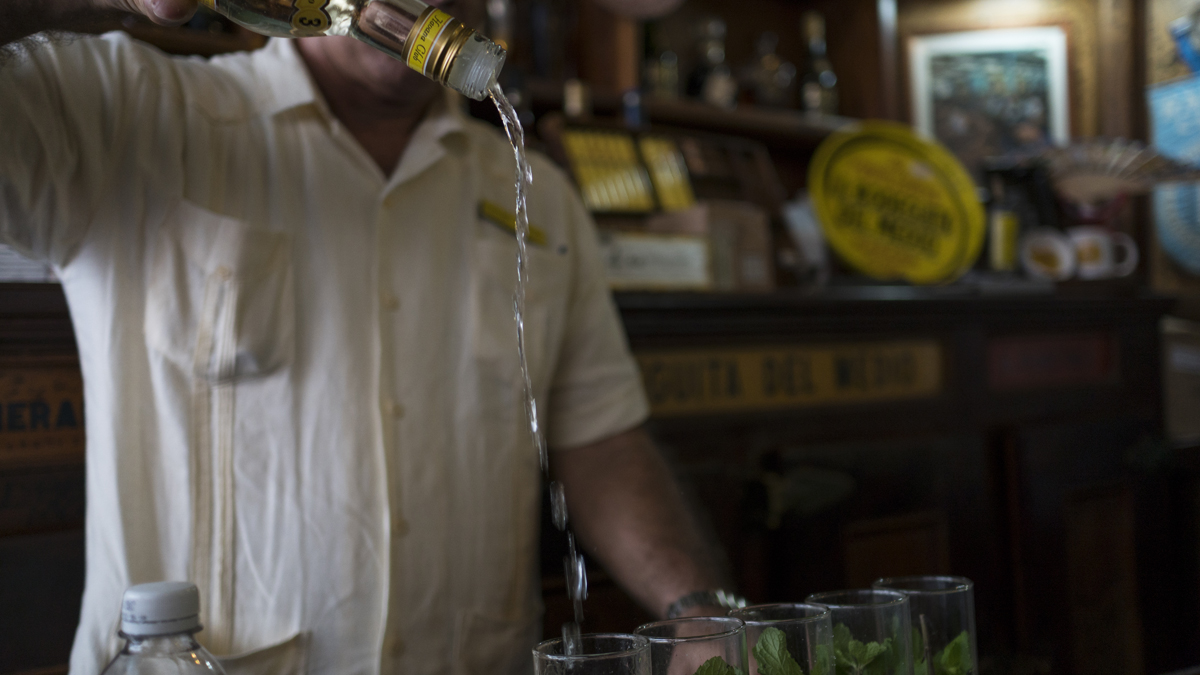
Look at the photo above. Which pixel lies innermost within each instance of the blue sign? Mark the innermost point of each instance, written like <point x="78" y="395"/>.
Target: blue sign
<point x="1175" y="129"/>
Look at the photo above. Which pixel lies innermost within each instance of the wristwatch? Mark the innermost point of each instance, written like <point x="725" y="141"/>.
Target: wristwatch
<point x="717" y="598"/>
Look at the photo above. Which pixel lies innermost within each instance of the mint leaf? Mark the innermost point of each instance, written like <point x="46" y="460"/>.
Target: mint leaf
<point x="717" y="666"/>
<point x="858" y="658"/>
<point x="841" y="643"/>
<point x="822" y="660"/>
<point x="877" y="657"/>
<point x="955" y="659"/>
<point x="772" y="654"/>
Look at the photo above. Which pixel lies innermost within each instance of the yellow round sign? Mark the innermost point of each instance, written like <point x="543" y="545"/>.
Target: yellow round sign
<point x="896" y="206"/>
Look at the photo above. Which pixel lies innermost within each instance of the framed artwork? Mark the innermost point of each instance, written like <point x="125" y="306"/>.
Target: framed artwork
<point x="991" y="93"/>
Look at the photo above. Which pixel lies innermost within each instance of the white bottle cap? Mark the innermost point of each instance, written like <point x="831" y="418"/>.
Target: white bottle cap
<point x="476" y="67"/>
<point x="160" y="608"/>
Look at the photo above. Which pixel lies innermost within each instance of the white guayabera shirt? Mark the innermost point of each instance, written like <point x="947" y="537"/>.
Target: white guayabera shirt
<point x="301" y="374"/>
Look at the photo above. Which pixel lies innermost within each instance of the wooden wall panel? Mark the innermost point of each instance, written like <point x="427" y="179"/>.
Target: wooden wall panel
<point x="41" y="583"/>
<point x="1102" y="593"/>
<point x="896" y="546"/>
<point x="610" y="49"/>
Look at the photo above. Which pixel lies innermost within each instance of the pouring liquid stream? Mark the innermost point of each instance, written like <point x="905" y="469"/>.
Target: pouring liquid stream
<point x="573" y="563"/>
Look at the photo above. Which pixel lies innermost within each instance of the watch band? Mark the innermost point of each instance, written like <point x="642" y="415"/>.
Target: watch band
<point x="717" y="598"/>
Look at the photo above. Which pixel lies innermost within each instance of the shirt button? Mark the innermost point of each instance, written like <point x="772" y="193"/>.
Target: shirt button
<point x="400" y="528"/>
<point x="397" y="410"/>
<point x="390" y="301"/>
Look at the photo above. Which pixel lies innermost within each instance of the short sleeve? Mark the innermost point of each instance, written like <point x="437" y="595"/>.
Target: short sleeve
<point x="69" y="113"/>
<point x="596" y="391"/>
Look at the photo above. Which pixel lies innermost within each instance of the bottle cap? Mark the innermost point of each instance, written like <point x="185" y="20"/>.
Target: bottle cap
<point x="160" y="608"/>
<point x="476" y="67"/>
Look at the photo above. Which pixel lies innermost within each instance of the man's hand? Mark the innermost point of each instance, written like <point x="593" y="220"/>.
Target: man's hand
<point x="23" y="18"/>
<point x="628" y="512"/>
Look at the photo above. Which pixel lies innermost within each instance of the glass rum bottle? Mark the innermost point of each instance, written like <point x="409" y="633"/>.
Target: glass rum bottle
<point x="429" y="40"/>
<point x="818" y="84"/>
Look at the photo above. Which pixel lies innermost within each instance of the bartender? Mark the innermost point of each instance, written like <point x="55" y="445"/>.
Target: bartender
<point x="299" y="353"/>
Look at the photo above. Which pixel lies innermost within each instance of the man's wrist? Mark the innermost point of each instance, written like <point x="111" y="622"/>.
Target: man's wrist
<point x="705" y="603"/>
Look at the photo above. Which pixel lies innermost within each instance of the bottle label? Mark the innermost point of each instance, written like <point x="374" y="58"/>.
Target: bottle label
<point x="310" y="18"/>
<point x="429" y="27"/>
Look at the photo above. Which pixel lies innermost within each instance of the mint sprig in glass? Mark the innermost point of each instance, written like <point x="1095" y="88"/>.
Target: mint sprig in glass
<point x="942" y="614"/>
<point x="788" y="639"/>
<point x="871" y="631"/>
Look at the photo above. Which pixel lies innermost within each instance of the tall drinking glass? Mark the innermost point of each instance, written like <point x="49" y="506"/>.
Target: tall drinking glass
<point x="709" y="645"/>
<point x="942" y="611"/>
<point x="782" y="634"/>
<point x="871" y="631"/>
<point x="600" y="654"/>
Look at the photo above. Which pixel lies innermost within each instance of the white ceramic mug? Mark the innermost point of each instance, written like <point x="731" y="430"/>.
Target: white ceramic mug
<point x="1048" y="254"/>
<point x="1102" y="254"/>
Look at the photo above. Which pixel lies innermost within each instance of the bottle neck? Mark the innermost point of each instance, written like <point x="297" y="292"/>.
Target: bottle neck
<point x="161" y="645"/>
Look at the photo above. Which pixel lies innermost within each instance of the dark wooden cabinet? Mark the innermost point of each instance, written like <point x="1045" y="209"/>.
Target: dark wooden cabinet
<point x="41" y="479"/>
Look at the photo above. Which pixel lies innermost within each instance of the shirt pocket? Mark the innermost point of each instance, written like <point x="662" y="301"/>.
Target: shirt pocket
<point x="288" y="657"/>
<point x="221" y="299"/>
<point x="494" y="329"/>
<point x="486" y="644"/>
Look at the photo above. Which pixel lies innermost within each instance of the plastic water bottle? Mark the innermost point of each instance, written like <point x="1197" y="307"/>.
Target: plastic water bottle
<point x="158" y="622"/>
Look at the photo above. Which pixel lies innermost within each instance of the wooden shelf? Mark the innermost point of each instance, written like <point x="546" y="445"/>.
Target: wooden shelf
<point x="764" y="124"/>
<point x="774" y="126"/>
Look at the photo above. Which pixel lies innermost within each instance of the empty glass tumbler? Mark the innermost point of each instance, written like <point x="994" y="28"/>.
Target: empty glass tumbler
<point x="783" y="637"/>
<point x="710" y="645"/>
<point x="942" y="611"/>
<point x="871" y="631"/>
<point x="599" y="654"/>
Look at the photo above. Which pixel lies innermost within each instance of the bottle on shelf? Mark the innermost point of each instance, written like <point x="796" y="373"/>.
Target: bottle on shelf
<point x="711" y="81"/>
<point x="661" y="76"/>
<point x="577" y="99"/>
<point x="818" y="84"/>
<point x="1004" y="226"/>
<point x="770" y="79"/>
<point x="159" y="622"/>
<point x="429" y="40"/>
<point x="500" y="22"/>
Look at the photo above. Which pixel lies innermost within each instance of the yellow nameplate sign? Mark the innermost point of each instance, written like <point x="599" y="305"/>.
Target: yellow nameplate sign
<point x="690" y="382"/>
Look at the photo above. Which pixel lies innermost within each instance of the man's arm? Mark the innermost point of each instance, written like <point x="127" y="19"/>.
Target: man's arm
<point x="628" y="512"/>
<point x="23" y="18"/>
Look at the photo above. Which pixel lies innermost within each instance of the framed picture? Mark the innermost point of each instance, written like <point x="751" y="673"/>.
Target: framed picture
<point x="991" y="93"/>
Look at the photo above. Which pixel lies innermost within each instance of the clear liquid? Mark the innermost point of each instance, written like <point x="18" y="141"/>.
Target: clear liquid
<point x="164" y="655"/>
<point x="573" y="564"/>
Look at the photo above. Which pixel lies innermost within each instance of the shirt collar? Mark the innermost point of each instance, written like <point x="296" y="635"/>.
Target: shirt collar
<point x="282" y="78"/>
<point x="284" y="83"/>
